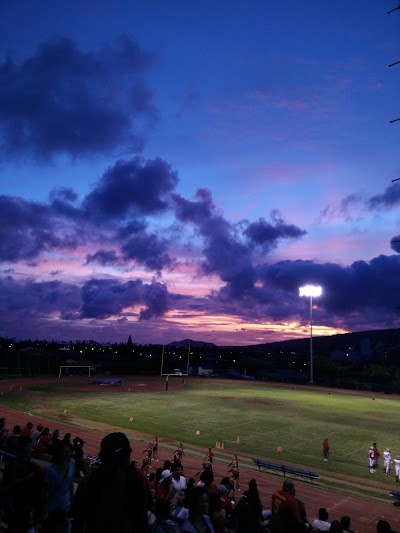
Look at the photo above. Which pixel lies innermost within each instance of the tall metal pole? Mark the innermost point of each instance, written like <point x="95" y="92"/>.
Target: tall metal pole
<point x="310" y="291"/>
<point x="311" y="349"/>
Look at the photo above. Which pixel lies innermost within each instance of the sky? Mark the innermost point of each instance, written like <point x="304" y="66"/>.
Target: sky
<point x="178" y="169"/>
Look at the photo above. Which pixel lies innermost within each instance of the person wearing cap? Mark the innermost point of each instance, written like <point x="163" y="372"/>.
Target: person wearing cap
<point x="115" y="496"/>
<point x="165" y="489"/>
<point x="387" y="461"/>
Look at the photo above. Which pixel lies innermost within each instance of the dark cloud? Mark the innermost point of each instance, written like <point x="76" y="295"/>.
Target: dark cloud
<point x="104" y="258"/>
<point x="63" y="100"/>
<point x="363" y="285"/>
<point x="27" y="230"/>
<point x="388" y="199"/>
<point x="63" y="194"/>
<point x="226" y="252"/>
<point x="132" y="227"/>
<point x="104" y="298"/>
<point x="24" y="299"/>
<point x="395" y="243"/>
<point x="134" y="186"/>
<point x="267" y="235"/>
<point x="149" y="250"/>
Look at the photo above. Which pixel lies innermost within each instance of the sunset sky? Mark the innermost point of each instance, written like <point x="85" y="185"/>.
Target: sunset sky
<point x="178" y="169"/>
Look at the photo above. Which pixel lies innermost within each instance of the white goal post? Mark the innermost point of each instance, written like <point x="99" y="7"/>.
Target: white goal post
<point x="73" y="366"/>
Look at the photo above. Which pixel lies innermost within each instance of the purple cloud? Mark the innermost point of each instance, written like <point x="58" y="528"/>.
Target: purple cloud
<point x="388" y="199"/>
<point x="104" y="298"/>
<point x="267" y="235"/>
<point x="104" y="258"/>
<point x="60" y="100"/>
<point x="134" y="186"/>
<point x="27" y="230"/>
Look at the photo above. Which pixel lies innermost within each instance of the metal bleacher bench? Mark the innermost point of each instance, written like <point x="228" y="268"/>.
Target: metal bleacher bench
<point x="396" y="495"/>
<point x="286" y="469"/>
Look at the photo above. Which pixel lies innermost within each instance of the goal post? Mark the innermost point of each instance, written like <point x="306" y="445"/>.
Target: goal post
<point x="63" y="372"/>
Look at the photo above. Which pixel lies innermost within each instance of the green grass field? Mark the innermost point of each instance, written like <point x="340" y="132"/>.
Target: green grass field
<point x="262" y="416"/>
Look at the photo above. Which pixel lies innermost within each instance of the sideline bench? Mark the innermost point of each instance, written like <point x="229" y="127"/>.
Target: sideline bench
<point x="396" y="495"/>
<point x="286" y="469"/>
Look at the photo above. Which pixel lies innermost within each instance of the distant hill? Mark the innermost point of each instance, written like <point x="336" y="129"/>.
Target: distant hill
<point x="193" y="344"/>
<point x="325" y="343"/>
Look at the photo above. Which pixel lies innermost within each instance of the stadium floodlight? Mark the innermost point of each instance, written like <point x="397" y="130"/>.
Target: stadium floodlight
<point x="311" y="291"/>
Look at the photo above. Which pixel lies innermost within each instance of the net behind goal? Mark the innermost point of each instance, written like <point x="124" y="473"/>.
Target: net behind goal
<point x="74" y="370"/>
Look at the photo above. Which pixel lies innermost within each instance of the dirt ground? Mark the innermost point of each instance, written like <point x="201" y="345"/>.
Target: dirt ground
<point x="364" y="513"/>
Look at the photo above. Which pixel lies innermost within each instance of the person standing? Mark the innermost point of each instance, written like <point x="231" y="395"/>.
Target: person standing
<point x="396" y="462"/>
<point x="325" y="449"/>
<point x="371" y="459"/>
<point x="376" y="456"/>
<point x="387" y="461"/>
<point x="209" y="456"/>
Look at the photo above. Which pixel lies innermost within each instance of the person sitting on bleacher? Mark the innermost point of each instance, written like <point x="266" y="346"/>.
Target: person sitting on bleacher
<point x="3" y="431"/>
<point x="42" y="444"/>
<point x="23" y="479"/>
<point x="321" y="523"/>
<point x="54" y="442"/>
<point x="345" y="522"/>
<point x="12" y="440"/>
<point x="36" y="434"/>
<point x="286" y="517"/>
<point x="27" y="430"/>
<point x="384" y="527"/>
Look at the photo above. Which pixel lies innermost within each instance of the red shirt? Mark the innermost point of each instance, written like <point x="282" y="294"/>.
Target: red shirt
<point x="164" y="491"/>
<point x="26" y="432"/>
<point x="43" y="444"/>
<point x="285" y="506"/>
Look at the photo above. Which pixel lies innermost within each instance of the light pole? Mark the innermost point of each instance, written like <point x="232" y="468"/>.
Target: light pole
<point x="311" y="290"/>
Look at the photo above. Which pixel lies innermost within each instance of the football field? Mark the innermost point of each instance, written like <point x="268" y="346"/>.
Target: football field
<point x="248" y="417"/>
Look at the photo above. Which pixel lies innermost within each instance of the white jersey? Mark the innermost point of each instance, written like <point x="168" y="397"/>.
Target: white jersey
<point x="387" y="456"/>
<point x="387" y="461"/>
<point x="371" y="457"/>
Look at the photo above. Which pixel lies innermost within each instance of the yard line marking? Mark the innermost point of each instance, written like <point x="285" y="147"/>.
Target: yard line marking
<point x="365" y="447"/>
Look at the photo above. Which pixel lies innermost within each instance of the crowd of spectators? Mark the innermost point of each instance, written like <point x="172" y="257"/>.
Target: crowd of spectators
<point x="50" y="485"/>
